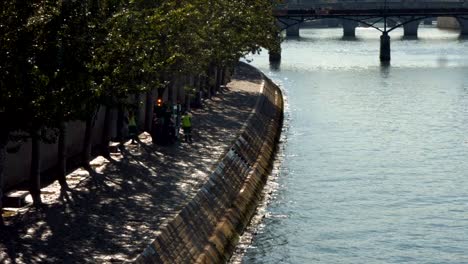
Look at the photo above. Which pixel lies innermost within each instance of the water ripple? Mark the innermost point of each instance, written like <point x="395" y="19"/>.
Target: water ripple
<point x="374" y="164"/>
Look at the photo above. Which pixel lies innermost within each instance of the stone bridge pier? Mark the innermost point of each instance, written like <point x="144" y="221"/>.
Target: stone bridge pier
<point x="463" y="26"/>
<point x="410" y="29"/>
<point x="275" y="51"/>
<point x="292" y="31"/>
<point x="349" y="27"/>
<point x="385" y="47"/>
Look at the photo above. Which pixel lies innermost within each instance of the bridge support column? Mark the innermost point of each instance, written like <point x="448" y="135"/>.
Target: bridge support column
<point x="385" y="47"/>
<point x="463" y="26"/>
<point x="411" y="29"/>
<point x="349" y="28"/>
<point x="275" y="55"/>
<point x="293" y="31"/>
<point x="428" y="21"/>
<point x="275" y="51"/>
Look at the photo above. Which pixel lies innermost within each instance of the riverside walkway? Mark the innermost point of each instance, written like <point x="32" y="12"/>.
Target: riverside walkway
<point x="111" y="215"/>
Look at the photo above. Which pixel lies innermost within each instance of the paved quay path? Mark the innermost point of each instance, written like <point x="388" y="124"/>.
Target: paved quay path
<point x="111" y="215"/>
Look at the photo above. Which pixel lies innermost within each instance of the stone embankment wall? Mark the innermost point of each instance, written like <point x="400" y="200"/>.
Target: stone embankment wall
<point x="208" y="228"/>
<point x="17" y="164"/>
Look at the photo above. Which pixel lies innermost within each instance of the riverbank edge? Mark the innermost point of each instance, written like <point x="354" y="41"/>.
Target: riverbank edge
<point x="208" y="228"/>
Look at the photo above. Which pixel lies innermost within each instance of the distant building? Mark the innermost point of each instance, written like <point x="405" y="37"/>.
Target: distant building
<point x="447" y="22"/>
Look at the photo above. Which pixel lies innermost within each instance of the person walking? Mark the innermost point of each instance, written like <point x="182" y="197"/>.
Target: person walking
<point x="132" y="127"/>
<point x="187" y="126"/>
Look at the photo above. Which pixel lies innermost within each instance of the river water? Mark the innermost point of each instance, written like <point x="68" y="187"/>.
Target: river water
<point x="375" y="158"/>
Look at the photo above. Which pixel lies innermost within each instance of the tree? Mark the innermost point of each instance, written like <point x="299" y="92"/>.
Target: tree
<point x="23" y="95"/>
<point x="104" y="51"/>
<point x="42" y="94"/>
<point x="7" y="68"/>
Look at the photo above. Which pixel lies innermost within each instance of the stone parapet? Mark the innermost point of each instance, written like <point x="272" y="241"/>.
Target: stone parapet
<point x="207" y="229"/>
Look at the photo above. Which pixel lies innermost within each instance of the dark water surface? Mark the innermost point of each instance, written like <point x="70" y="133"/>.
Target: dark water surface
<point x="375" y="165"/>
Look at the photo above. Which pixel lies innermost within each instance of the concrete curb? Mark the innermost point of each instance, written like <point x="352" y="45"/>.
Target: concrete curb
<point x="207" y="229"/>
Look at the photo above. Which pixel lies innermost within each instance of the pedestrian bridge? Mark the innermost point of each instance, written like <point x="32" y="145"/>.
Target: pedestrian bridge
<point x="383" y="15"/>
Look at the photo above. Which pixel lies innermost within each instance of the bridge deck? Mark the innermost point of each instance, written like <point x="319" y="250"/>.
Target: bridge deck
<point x="335" y="8"/>
<point x="311" y="13"/>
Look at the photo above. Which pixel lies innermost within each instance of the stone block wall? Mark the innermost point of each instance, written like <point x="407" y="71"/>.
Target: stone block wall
<point x="207" y="229"/>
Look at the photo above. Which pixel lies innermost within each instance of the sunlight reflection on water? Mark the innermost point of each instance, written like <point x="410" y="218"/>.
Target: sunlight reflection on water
<point x="374" y="166"/>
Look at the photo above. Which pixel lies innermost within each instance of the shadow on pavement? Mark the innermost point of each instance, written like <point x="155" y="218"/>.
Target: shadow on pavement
<point x="115" y="212"/>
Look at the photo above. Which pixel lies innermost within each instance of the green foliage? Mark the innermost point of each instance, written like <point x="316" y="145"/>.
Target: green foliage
<point x="61" y="59"/>
<point x="24" y="95"/>
<point x="239" y="27"/>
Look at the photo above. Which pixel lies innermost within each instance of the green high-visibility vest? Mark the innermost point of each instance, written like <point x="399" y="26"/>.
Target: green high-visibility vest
<point x="131" y="121"/>
<point x="186" y="121"/>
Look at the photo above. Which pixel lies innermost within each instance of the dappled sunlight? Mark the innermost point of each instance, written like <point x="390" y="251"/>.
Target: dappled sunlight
<point x="115" y="209"/>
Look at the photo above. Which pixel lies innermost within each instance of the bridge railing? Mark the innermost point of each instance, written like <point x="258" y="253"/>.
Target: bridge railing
<point x="389" y="4"/>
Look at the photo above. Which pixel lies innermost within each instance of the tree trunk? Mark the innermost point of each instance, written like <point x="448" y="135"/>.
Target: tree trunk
<point x="62" y="156"/>
<point x="120" y="123"/>
<point x="3" y="142"/>
<point x="149" y="111"/>
<point x="223" y="76"/>
<point x="187" y="102"/>
<point x="208" y="84"/>
<point x="215" y="80"/>
<point x="175" y="81"/>
<point x="230" y="73"/>
<point x="219" y="80"/>
<point x="106" y="134"/>
<point x="35" y="173"/>
<point x="199" y="91"/>
<point x="226" y="75"/>
<point x="87" y="143"/>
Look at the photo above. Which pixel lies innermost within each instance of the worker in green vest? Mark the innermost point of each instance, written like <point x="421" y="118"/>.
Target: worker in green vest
<point x="187" y="126"/>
